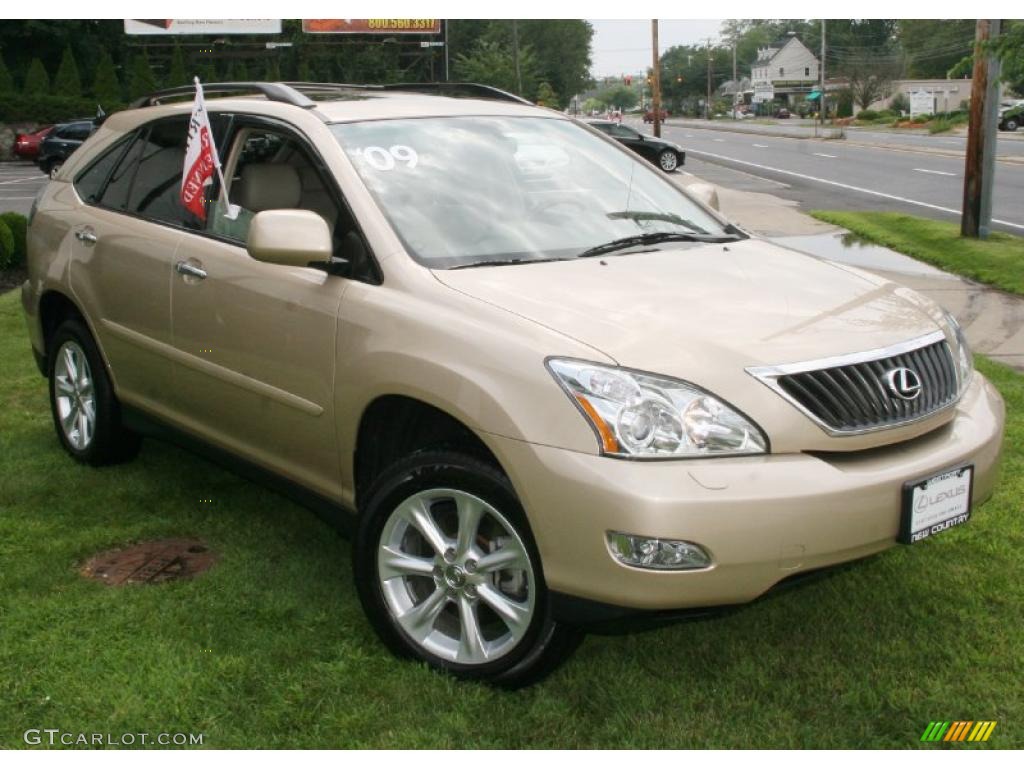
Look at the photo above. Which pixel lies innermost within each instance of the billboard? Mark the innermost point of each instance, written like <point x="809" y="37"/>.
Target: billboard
<point x="373" y="26"/>
<point x="202" y="26"/>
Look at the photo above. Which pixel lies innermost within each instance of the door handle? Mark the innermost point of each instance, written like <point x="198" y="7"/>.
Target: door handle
<point x="87" y="237"/>
<point x="190" y="270"/>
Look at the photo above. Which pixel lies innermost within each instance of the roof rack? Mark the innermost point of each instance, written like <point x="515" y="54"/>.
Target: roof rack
<point x="471" y="90"/>
<point x="273" y="91"/>
<point x="294" y="92"/>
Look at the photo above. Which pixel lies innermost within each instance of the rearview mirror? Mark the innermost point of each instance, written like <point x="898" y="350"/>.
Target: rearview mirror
<point x="289" y="237"/>
<point x="704" y="193"/>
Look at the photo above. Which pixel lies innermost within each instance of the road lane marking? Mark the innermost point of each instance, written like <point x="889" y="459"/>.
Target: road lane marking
<point x="761" y="146"/>
<point x="822" y="154"/>
<point x="719" y="140"/>
<point x="937" y="173"/>
<point x="17" y="198"/>
<point x="850" y="187"/>
<point x="27" y="178"/>
<point x="688" y="135"/>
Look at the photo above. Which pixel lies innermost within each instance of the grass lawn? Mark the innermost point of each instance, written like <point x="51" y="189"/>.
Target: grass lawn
<point x="998" y="261"/>
<point x="270" y="648"/>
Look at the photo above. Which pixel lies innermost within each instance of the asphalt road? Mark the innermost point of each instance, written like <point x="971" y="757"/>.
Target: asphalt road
<point x="19" y="183"/>
<point x="838" y="174"/>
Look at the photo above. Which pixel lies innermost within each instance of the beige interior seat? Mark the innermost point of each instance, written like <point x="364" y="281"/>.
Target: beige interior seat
<point x="269" y="186"/>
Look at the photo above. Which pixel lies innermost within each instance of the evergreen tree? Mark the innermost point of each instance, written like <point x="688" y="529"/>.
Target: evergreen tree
<point x="237" y="72"/>
<point x="106" y="87"/>
<point x="272" y="74"/>
<point x="303" y="75"/>
<point x="207" y="72"/>
<point x="6" y="81"/>
<point x="37" y="82"/>
<point x="546" y="96"/>
<point x="143" y="81"/>
<point x="177" y="74"/>
<point x="68" y="82"/>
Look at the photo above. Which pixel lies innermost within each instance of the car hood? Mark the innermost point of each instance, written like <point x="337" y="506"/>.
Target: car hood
<point x="695" y="309"/>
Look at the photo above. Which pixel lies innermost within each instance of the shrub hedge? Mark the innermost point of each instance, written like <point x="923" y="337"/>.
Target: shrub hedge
<point x="48" y="108"/>
<point x="17" y="226"/>
<point x="6" y="246"/>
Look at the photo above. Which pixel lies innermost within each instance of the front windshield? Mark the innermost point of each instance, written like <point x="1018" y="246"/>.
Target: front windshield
<point x="466" y="190"/>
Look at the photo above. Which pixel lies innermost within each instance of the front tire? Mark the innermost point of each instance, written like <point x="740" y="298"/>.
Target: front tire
<point x="668" y="160"/>
<point x="448" y="573"/>
<point x="1011" y="124"/>
<point x="86" y="413"/>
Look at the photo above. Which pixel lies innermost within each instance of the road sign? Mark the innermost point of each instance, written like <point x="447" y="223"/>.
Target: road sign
<point x="922" y="103"/>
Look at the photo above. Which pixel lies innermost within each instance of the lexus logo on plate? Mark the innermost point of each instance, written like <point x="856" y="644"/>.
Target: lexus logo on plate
<point x="903" y="383"/>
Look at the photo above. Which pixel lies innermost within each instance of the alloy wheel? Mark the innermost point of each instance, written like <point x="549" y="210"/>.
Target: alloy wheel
<point x="74" y="395"/>
<point x="668" y="161"/>
<point x="456" y="576"/>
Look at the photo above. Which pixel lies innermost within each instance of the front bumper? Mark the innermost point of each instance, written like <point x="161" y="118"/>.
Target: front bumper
<point x="762" y="518"/>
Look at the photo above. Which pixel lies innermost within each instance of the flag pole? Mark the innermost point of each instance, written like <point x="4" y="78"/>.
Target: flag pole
<point x="232" y="210"/>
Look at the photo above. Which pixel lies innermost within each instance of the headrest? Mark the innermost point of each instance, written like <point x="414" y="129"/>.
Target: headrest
<point x="269" y="186"/>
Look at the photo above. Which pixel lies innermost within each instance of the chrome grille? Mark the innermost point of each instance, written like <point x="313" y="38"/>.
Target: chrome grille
<point x="851" y="395"/>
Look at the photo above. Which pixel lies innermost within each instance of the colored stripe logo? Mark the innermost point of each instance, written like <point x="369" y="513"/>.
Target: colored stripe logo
<point x="958" y="730"/>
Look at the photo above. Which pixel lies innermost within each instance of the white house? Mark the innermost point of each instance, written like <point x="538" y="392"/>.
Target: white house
<point x="785" y="71"/>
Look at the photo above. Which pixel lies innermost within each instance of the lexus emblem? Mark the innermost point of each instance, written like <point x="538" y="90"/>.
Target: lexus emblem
<point x="903" y="383"/>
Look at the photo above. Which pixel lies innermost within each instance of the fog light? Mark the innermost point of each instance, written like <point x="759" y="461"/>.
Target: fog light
<point x="657" y="554"/>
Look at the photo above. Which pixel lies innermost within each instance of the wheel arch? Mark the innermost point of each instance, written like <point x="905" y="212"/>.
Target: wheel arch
<point x="394" y="426"/>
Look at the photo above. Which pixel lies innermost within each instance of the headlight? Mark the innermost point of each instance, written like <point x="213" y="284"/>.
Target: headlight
<point x="642" y="415"/>
<point x="962" y="353"/>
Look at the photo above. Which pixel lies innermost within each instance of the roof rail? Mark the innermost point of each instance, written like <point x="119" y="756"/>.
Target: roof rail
<point x="282" y="92"/>
<point x="473" y="90"/>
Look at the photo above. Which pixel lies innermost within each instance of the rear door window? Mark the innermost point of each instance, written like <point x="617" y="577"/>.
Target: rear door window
<point x="155" y="192"/>
<point x="89" y="184"/>
<point x="115" y="196"/>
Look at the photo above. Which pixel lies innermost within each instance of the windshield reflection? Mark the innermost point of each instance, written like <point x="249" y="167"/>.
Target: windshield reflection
<point x="462" y="190"/>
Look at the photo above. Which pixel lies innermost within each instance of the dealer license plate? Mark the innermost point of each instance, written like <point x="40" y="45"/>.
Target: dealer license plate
<point x="934" y="505"/>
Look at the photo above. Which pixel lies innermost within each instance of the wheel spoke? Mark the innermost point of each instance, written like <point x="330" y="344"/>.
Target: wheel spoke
<point x="515" y="615"/>
<point x="471" y="642"/>
<point x="509" y="557"/>
<point x="63" y="385"/>
<point x="67" y="421"/>
<point x="418" y="513"/>
<point x="470" y="514"/>
<point x="70" y="363"/>
<point x="394" y="563"/>
<point x="85" y="385"/>
<point x="84" y="428"/>
<point x="419" y="620"/>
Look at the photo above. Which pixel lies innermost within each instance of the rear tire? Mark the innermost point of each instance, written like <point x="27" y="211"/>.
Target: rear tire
<point x="1011" y="124"/>
<point x="86" y="413"/>
<point x="668" y="160"/>
<point x="448" y="572"/>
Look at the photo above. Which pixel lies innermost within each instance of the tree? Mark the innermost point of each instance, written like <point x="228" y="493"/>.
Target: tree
<point x="933" y="46"/>
<point x="546" y="96"/>
<point x="6" y="81"/>
<point x="272" y="73"/>
<point x="68" y="82"/>
<point x="106" y="87"/>
<point x="36" y="80"/>
<point x="177" y="75"/>
<point x="619" y="96"/>
<point x="237" y="71"/>
<point x="143" y="81"/>
<point x="492" y="63"/>
<point x="870" y="78"/>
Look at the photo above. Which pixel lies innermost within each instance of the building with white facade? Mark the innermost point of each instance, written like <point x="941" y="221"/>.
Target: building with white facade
<point x="785" y="72"/>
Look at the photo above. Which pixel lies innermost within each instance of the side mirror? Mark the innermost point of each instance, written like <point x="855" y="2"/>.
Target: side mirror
<point x="704" y="193"/>
<point x="292" y="238"/>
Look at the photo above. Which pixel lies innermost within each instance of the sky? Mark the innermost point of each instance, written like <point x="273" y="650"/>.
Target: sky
<point x="620" y="47"/>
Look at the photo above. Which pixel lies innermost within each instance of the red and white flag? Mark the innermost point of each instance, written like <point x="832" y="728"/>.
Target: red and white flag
<point x="201" y="161"/>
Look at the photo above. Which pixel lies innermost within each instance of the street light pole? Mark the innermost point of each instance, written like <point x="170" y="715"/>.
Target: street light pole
<point x="655" y="79"/>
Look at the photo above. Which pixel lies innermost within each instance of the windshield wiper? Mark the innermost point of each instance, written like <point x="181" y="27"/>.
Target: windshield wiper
<point x="493" y="263"/>
<point x="671" y="218"/>
<point x="653" y="238"/>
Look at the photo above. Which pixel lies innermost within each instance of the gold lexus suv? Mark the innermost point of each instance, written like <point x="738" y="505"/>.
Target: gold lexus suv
<point x="542" y="384"/>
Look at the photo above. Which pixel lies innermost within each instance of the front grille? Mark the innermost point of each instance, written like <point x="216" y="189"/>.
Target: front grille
<point x="854" y="395"/>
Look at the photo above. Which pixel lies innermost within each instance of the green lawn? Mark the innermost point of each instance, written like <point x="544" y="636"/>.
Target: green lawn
<point x="998" y="261"/>
<point x="270" y="649"/>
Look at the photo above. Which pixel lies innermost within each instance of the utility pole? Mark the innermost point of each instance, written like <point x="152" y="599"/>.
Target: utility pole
<point x="980" y="166"/>
<point x="735" y="82"/>
<point x="515" y="57"/>
<point x="707" y="104"/>
<point x="446" y="57"/>
<point x="656" y="79"/>
<point x="821" y="78"/>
